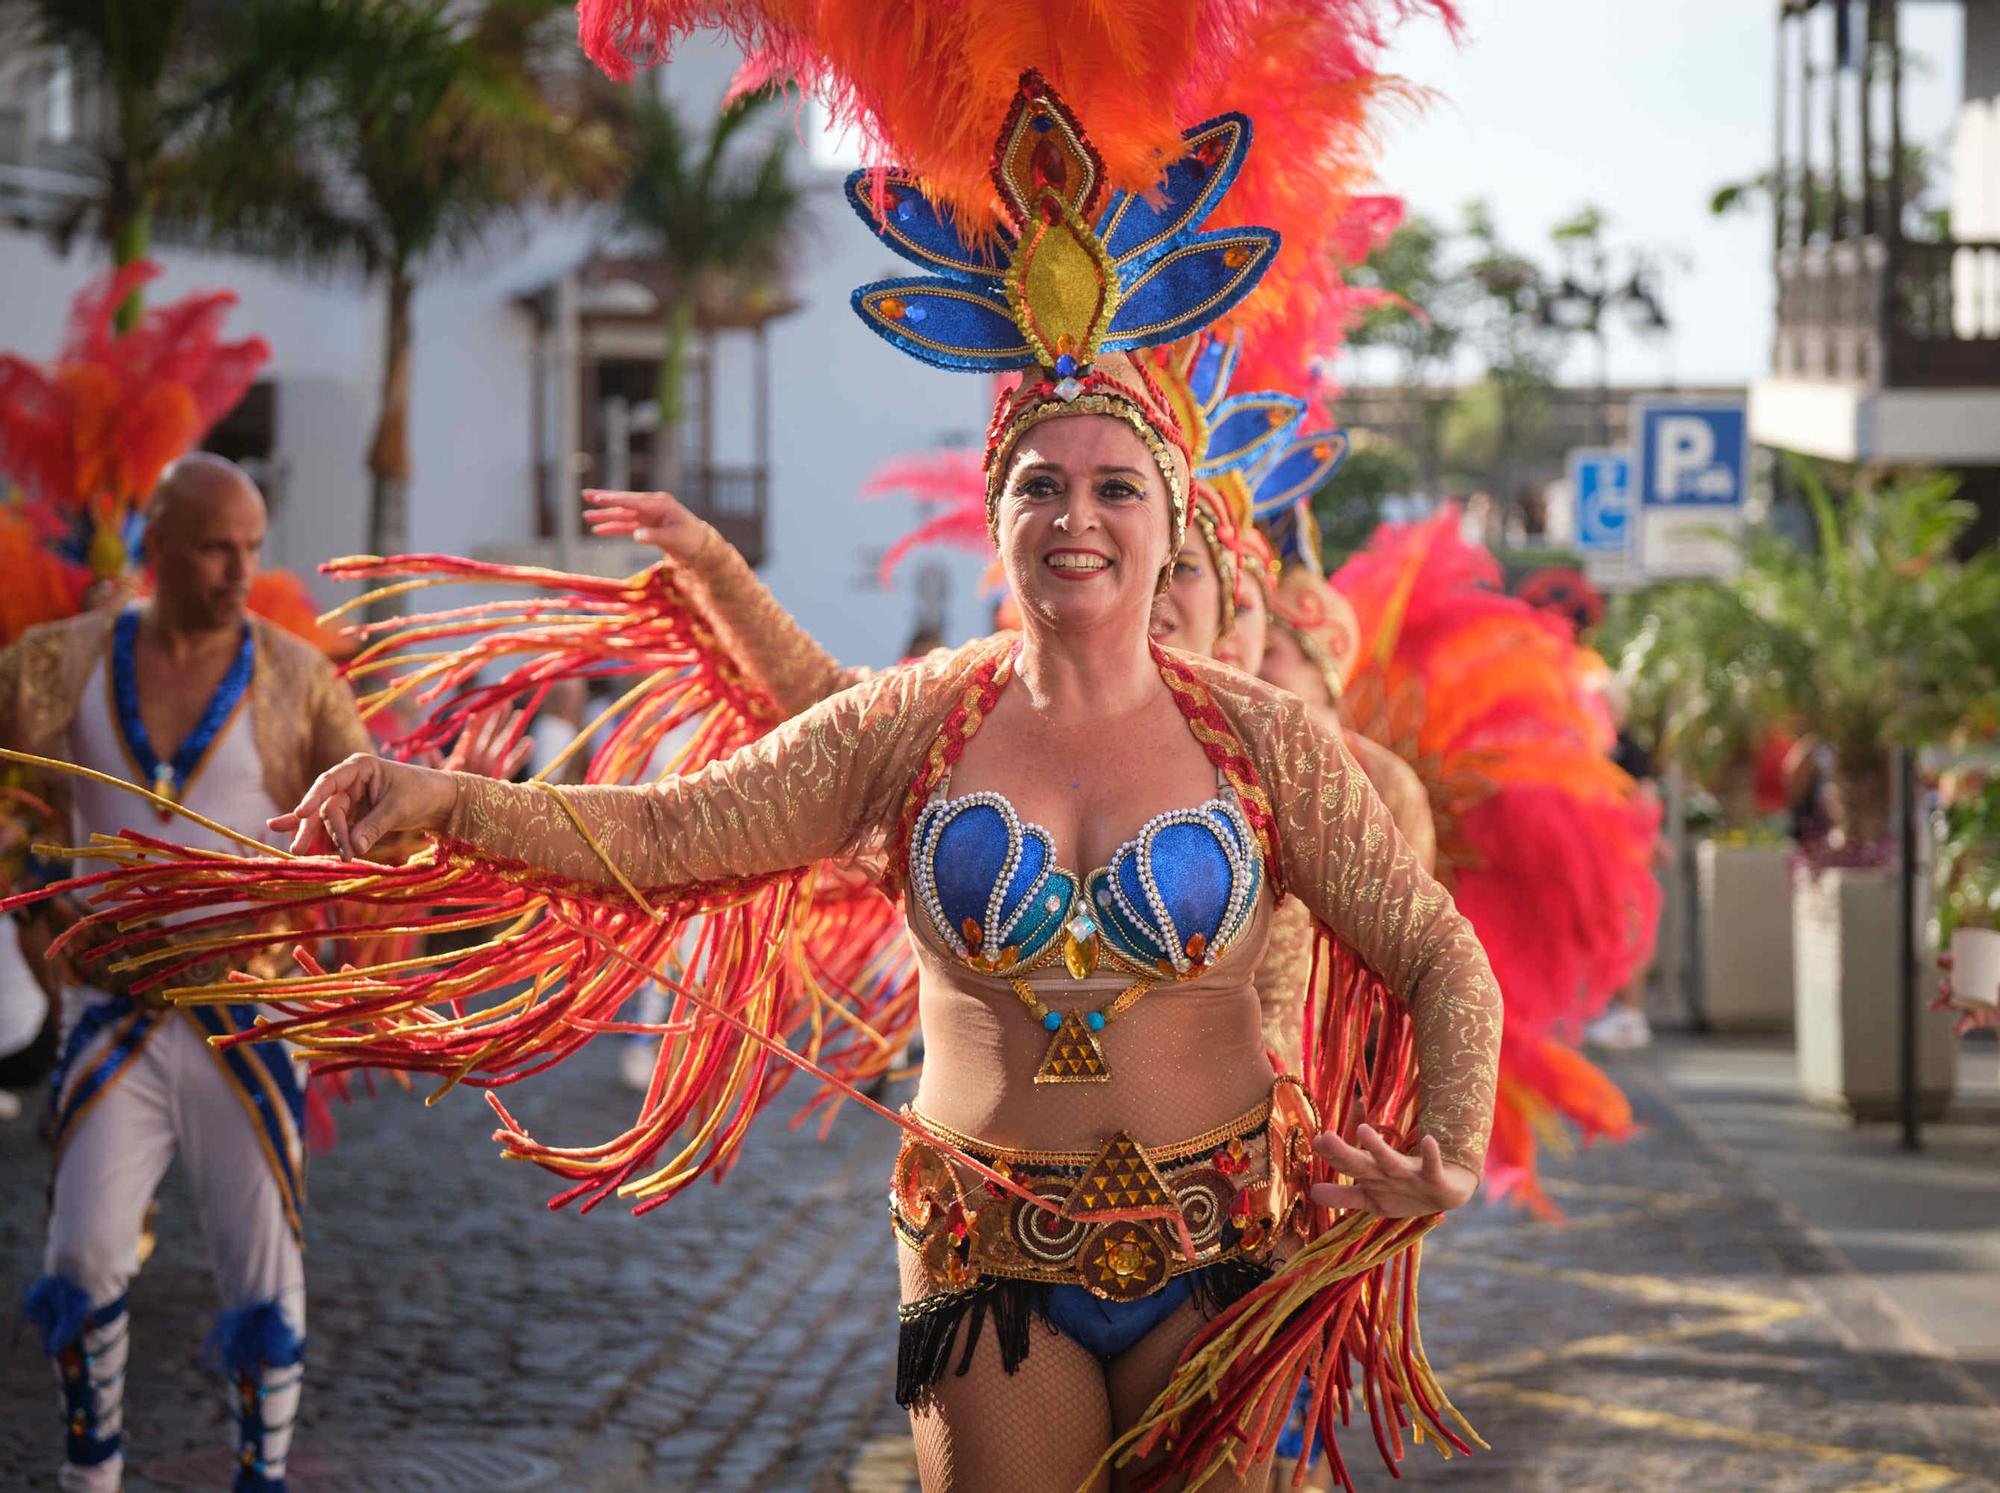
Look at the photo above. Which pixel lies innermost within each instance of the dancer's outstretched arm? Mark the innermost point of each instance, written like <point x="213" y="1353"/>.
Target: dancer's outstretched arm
<point x="813" y="788"/>
<point x="1344" y="859"/>
<point x="786" y="658"/>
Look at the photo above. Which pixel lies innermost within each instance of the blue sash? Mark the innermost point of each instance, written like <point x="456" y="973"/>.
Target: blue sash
<point x="169" y="779"/>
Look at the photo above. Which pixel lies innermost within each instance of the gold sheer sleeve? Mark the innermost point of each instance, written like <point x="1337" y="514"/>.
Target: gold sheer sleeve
<point x="1343" y="858"/>
<point x="818" y="786"/>
<point x="1281" y="981"/>
<point x="768" y="640"/>
<point x="1402" y="794"/>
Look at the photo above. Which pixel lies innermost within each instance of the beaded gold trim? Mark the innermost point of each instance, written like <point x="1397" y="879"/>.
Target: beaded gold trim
<point x="1120" y="1221"/>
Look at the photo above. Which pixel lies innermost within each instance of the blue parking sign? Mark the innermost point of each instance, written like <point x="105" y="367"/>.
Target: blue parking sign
<point x="1693" y="453"/>
<point x="1600" y="482"/>
<point x="1691" y="473"/>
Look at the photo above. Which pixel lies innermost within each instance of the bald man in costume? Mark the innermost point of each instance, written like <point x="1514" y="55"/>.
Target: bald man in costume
<point x="188" y="695"/>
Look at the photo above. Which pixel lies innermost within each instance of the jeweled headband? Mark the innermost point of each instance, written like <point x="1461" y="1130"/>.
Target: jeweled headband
<point x="1067" y="279"/>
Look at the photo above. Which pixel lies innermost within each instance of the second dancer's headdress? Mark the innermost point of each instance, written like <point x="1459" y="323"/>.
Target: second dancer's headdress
<point x="1232" y="436"/>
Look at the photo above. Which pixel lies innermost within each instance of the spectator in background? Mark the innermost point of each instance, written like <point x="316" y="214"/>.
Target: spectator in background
<point x="561" y="717"/>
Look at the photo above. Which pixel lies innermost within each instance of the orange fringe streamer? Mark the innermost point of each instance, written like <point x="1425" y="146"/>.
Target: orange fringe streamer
<point x="1341" y="1315"/>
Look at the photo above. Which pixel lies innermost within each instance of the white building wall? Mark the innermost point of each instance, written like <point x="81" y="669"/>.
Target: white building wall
<point x="324" y="352"/>
<point x="842" y="403"/>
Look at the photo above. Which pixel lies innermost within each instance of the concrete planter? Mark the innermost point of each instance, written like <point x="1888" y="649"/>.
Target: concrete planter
<point x="1845" y="940"/>
<point x="1975" y="966"/>
<point x="1746" y="936"/>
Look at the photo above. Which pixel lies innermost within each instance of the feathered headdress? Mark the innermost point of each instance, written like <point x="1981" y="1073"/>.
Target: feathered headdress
<point x="1233" y="436"/>
<point x="88" y="436"/>
<point x="1072" y="275"/>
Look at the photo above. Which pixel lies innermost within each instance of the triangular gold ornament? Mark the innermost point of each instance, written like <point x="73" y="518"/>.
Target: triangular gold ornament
<point x="1073" y="1055"/>
<point x="1121" y="1183"/>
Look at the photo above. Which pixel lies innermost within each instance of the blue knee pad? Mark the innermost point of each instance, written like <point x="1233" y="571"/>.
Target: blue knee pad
<point x="246" y="1343"/>
<point x="60" y="1310"/>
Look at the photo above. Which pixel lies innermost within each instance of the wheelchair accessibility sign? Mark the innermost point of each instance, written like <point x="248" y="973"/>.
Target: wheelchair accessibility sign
<point x="1693" y="477"/>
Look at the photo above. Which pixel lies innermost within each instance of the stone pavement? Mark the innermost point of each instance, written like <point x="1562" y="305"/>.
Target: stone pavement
<point x="1684" y="1330"/>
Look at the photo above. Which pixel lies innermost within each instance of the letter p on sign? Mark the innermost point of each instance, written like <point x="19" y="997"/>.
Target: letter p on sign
<point x="1686" y="450"/>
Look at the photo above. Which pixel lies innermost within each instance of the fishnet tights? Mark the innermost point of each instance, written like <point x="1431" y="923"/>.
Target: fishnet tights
<point x="1042" y="1428"/>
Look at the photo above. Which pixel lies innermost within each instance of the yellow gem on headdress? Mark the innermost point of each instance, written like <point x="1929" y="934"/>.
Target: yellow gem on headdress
<point x="1275" y="417"/>
<point x="1236" y="256"/>
<point x="1062" y="289"/>
<point x="1322" y="451"/>
<point x="892" y="307"/>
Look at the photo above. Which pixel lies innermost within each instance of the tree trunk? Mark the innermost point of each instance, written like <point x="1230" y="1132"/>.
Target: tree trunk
<point x="1430" y="445"/>
<point x="672" y="393"/>
<point x="389" y="453"/>
<point x="1865" y="804"/>
<point x="128" y="231"/>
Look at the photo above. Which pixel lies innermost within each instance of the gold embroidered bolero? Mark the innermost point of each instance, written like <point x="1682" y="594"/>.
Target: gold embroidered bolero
<point x="830" y="783"/>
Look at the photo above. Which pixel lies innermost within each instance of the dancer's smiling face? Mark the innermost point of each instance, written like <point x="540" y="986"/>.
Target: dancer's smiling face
<point x="1083" y="523"/>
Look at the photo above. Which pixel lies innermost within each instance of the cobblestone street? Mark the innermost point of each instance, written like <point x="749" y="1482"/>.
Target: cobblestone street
<point x="1683" y="1331"/>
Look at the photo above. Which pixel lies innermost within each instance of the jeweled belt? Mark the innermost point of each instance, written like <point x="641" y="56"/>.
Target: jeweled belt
<point x="1120" y="1221"/>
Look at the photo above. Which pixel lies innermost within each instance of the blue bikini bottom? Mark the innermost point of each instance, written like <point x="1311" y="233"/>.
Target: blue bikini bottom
<point x="930" y="1326"/>
<point x="1108" y="1328"/>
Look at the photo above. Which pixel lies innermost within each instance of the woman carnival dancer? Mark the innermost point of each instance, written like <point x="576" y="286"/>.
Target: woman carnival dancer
<point x="1097" y="1146"/>
<point x="1218" y="602"/>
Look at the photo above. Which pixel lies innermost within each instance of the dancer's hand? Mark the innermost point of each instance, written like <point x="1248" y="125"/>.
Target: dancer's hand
<point x="655" y="518"/>
<point x="352" y="806"/>
<point x="1388" y="1181"/>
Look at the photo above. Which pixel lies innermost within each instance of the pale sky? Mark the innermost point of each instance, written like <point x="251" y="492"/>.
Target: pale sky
<point x="1642" y="109"/>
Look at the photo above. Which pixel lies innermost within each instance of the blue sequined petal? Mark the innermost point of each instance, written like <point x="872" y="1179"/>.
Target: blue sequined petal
<point x="967" y="856"/>
<point x="1190" y="286"/>
<point x="1134" y="227"/>
<point x="1298" y="472"/>
<point x="964" y="326"/>
<point x="916" y="230"/>
<point x="1034" y="860"/>
<point x="1193" y="874"/>
<point x="1040" y="925"/>
<point x="1208" y="379"/>
<point x="1120" y="931"/>
<point x="1247" y="428"/>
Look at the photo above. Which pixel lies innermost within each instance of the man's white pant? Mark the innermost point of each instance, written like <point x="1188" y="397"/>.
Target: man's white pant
<point x="174" y="1095"/>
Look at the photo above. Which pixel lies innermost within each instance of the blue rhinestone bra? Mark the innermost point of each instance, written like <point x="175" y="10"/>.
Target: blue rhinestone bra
<point x="1167" y="906"/>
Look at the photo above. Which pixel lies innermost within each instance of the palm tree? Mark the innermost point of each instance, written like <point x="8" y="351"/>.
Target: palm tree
<point x="719" y="224"/>
<point x="137" y="60"/>
<point x="392" y="135"/>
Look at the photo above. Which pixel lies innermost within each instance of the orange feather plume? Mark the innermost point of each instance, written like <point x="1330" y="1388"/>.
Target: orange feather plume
<point x="90" y="433"/>
<point x="41" y="585"/>
<point x="927" y="84"/>
<point x="1545" y="843"/>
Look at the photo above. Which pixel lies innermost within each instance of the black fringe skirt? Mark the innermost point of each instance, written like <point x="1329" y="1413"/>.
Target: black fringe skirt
<point x="929" y="1327"/>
